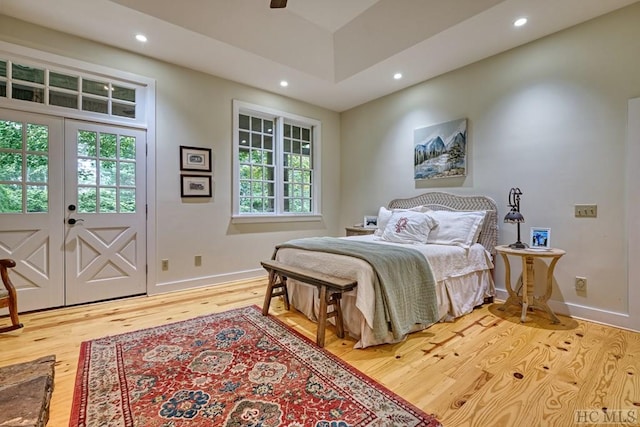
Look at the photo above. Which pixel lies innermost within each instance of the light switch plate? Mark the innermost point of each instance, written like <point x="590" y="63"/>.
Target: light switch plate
<point x="586" y="211"/>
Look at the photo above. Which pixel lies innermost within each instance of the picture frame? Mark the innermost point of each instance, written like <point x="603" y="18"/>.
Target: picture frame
<point x="540" y="238"/>
<point x="195" y="185"/>
<point x="195" y="159"/>
<point x="370" y="221"/>
<point x="440" y="150"/>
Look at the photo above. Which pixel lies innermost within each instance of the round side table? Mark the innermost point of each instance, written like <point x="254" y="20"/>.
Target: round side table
<point x="528" y="299"/>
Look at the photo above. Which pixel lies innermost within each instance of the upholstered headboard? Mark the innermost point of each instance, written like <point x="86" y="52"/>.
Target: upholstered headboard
<point x="439" y="200"/>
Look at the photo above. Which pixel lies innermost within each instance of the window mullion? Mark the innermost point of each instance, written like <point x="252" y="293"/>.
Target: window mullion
<point x="279" y="170"/>
<point x="9" y="79"/>
<point x="24" y="166"/>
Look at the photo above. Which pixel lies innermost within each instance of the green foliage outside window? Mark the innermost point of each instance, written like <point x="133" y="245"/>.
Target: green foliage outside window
<point x="103" y="167"/>
<point x="10" y="198"/>
<point x="260" y="150"/>
<point x="24" y="167"/>
<point x="24" y="170"/>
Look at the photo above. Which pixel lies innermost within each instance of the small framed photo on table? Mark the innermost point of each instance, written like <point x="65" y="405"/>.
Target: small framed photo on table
<point x="195" y="159"/>
<point x="370" y="221"/>
<point x="540" y="238"/>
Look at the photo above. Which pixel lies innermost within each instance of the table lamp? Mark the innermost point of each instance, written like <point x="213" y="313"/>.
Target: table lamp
<point x="514" y="215"/>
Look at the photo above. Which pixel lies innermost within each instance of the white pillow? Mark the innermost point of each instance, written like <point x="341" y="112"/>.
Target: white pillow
<point x="384" y="215"/>
<point x="456" y="228"/>
<point x="408" y="227"/>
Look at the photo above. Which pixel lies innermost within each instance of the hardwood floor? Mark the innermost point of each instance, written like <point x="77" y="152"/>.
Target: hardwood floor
<point x="485" y="369"/>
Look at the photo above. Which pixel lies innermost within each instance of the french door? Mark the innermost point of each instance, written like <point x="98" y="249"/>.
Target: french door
<point x="72" y="209"/>
<point x="31" y="206"/>
<point x="104" y="192"/>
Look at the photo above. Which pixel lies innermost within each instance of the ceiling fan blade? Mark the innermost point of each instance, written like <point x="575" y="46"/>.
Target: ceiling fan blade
<point x="277" y="4"/>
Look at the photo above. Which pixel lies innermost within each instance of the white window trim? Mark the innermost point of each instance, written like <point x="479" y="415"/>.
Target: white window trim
<point x="144" y="86"/>
<point x="258" y="110"/>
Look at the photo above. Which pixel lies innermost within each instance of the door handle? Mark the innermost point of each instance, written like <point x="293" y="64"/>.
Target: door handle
<point x="72" y="221"/>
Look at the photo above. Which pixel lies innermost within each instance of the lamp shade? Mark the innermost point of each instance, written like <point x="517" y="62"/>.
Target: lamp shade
<point x="514" y="217"/>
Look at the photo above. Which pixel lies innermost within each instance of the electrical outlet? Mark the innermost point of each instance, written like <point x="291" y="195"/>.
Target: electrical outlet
<point x="198" y="260"/>
<point x="586" y="211"/>
<point x="581" y="284"/>
<point x="165" y="264"/>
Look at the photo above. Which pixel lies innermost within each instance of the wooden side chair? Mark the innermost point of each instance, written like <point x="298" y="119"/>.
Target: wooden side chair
<point x="8" y="296"/>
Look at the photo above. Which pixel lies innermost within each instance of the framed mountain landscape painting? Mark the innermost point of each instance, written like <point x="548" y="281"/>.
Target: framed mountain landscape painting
<point x="440" y="151"/>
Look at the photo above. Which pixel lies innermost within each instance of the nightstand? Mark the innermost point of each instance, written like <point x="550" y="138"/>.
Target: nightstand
<point x="528" y="299"/>
<point x="357" y="230"/>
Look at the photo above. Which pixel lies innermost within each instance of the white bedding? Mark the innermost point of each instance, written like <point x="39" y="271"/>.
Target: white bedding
<point x="463" y="280"/>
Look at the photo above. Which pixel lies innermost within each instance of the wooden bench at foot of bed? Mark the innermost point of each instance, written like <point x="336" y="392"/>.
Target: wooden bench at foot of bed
<point x="330" y="288"/>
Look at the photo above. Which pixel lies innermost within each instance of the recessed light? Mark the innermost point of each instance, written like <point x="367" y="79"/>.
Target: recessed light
<point x="284" y="83"/>
<point x="397" y="76"/>
<point x="519" y="22"/>
<point x="141" y="38"/>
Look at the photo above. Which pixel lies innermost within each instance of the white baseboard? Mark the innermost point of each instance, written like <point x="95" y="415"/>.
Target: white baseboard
<point x="596" y="315"/>
<point x="200" y="282"/>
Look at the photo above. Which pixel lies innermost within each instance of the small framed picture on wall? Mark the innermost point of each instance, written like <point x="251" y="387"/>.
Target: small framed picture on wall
<point x="195" y="159"/>
<point x="195" y="186"/>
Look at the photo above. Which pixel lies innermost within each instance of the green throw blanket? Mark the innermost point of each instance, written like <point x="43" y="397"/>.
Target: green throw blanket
<point x="405" y="291"/>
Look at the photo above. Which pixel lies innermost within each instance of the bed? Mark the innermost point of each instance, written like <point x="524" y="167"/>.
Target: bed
<point x="462" y="270"/>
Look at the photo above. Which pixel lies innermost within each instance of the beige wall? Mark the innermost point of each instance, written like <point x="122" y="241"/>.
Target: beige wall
<point x="194" y="108"/>
<point x="549" y="117"/>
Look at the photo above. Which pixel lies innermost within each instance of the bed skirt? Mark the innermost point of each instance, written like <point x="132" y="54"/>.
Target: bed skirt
<point x="457" y="296"/>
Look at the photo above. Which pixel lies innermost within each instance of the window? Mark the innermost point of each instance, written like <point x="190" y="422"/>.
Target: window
<point x="276" y="165"/>
<point x="106" y="172"/>
<point x="22" y="81"/>
<point x="24" y="166"/>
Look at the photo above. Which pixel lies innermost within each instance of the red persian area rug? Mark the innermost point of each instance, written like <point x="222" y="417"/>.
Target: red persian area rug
<point x="236" y="368"/>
